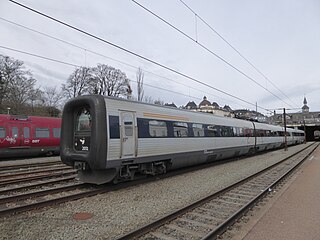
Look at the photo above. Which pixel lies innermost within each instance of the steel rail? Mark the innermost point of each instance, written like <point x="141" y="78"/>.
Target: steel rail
<point x="37" y="184"/>
<point x="40" y="193"/>
<point x="32" y="171"/>
<point x="41" y="176"/>
<point x="50" y="202"/>
<point x="17" y="166"/>
<point x="59" y="200"/>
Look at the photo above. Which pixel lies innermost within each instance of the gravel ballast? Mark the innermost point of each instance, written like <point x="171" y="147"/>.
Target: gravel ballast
<point x="119" y="212"/>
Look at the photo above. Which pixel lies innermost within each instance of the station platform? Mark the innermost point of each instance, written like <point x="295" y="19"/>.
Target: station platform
<point x="294" y="212"/>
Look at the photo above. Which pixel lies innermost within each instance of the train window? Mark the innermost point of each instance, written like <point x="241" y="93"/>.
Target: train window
<point x="212" y="131"/>
<point x="128" y="124"/>
<point x="128" y="130"/>
<point x="226" y="131"/>
<point x="2" y="132"/>
<point x="56" y="132"/>
<point x="26" y="132"/>
<point x="114" y="127"/>
<point x="158" y="128"/>
<point x="83" y="121"/>
<point x="248" y="132"/>
<point x="239" y="132"/>
<point x="180" y="129"/>
<point x="42" y="133"/>
<point x="261" y="133"/>
<point x="273" y="133"/>
<point x="236" y="131"/>
<point x="143" y="128"/>
<point x="198" y="130"/>
<point x="14" y="132"/>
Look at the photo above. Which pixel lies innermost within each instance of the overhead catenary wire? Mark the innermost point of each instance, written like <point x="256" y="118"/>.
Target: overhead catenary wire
<point x="107" y="57"/>
<point x="236" y="50"/>
<point x="208" y="50"/>
<point x="133" y="53"/>
<point x="39" y="56"/>
<point x="75" y="65"/>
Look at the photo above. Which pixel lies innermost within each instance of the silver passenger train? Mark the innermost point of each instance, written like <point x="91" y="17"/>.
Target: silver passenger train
<point x="112" y="139"/>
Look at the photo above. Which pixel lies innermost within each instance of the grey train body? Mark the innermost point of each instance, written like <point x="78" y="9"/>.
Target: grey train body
<point x="112" y="139"/>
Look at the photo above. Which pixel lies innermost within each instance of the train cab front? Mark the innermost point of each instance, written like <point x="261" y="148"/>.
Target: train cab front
<point x="83" y="142"/>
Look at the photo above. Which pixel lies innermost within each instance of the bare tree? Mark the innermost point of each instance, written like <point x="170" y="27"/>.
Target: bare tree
<point x="78" y="82"/>
<point x="159" y="102"/>
<point x="36" y="96"/>
<point x="20" y="91"/>
<point x="106" y="80"/>
<point x="140" y="77"/>
<point x="16" y="83"/>
<point x="148" y="99"/>
<point x="52" y="97"/>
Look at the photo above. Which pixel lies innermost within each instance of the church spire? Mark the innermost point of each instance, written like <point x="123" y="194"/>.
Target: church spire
<point x="305" y="101"/>
<point x="305" y="108"/>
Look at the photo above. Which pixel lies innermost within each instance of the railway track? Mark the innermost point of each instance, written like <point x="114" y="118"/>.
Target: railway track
<point x="42" y="192"/>
<point x="37" y="176"/>
<point x="28" y="165"/>
<point x="17" y="203"/>
<point x="45" y="197"/>
<point x="25" y="186"/>
<point x="211" y="216"/>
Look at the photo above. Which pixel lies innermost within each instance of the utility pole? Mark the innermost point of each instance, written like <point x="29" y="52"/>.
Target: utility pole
<point x="304" y="129"/>
<point x="285" y="129"/>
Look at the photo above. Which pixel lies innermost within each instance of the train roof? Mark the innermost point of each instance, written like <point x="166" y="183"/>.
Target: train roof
<point x="170" y="113"/>
<point x="193" y="116"/>
<point x="25" y="118"/>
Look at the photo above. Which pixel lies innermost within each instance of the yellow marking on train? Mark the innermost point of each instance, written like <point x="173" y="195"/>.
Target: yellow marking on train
<point x="164" y="116"/>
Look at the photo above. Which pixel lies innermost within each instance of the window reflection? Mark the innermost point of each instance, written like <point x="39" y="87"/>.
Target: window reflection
<point x="84" y="120"/>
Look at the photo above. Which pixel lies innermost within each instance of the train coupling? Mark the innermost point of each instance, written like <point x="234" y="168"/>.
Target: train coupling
<point x="80" y="166"/>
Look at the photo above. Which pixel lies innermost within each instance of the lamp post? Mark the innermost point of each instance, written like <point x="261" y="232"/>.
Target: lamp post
<point x="8" y="110"/>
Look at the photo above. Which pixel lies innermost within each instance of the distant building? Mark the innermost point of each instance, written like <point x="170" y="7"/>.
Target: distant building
<point x="226" y="111"/>
<point x="205" y="106"/>
<point x="170" y="105"/>
<point x="208" y="107"/>
<point x="250" y="115"/>
<point x="297" y="119"/>
<point x="226" y="108"/>
<point x="191" y="106"/>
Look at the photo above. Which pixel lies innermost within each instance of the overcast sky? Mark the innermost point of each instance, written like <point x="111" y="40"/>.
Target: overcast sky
<point x="281" y="38"/>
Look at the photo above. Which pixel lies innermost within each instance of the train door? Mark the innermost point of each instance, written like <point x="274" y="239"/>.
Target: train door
<point x="13" y="135"/>
<point x="25" y="133"/>
<point x="19" y="135"/>
<point x="128" y="134"/>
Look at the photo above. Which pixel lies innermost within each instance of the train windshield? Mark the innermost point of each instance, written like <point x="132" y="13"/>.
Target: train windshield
<point x="83" y="122"/>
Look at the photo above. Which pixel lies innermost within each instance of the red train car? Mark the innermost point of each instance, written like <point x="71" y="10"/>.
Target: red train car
<point x="29" y="136"/>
